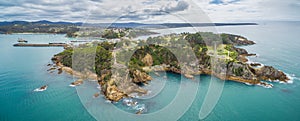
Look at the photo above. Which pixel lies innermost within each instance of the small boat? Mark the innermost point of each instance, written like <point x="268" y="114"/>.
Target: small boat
<point x="22" y="40"/>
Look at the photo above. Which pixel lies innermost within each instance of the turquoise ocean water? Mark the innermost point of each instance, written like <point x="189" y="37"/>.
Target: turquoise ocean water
<point x="24" y="69"/>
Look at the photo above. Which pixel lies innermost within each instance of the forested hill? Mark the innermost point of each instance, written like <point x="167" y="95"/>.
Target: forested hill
<point x="45" y="26"/>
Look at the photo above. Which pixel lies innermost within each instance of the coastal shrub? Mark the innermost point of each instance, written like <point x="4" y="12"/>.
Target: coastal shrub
<point x="238" y="71"/>
<point x="66" y="57"/>
<point x="225" y="39"/>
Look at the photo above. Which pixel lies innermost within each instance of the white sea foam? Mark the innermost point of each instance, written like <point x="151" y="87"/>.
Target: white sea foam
<point x="129" y="102"/>
<point x="98" y="87"/>
<point x="248" y="84"/>
<point x="71" y="85"/>
<point x="290" y="82"/>
<point x="140" y="107"/>
<point x="134" y="95"/>
<point x="291" y="77"/>
<point x="266" y="86"/>
<point x="40" y="90"/>
<point x="107" y="101"/>
<point x="282" y="82"/>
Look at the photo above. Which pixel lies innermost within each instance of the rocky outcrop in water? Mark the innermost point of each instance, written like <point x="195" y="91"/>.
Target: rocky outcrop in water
<point x="270" y="73"/>
<point x="113" y="93"/>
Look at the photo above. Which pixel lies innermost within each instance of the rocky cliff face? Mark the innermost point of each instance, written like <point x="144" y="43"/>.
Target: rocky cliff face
<point x="148" y="60"/>
<point x="241" y="51"/>
<point x="113" y="93"/>
<point x="242" y="71"/>
<point x="121" y="85"/>
<point x="239" y="40"/>
<point x="140" y="77"/>
<point x="270" y="73"/>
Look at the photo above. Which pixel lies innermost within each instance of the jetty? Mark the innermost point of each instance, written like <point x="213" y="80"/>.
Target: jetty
<point x="79" y="41"/>
<point x="40" y="45"/>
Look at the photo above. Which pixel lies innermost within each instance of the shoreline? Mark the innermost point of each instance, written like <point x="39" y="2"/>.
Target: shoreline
<point x="87" y="75"/>
<point x="115" y="87"/>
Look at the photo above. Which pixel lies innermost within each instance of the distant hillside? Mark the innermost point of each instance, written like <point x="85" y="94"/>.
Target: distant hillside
<point x="5" y="23"/>
<point x="45" y="26"/>
<point x="38" y="27"/>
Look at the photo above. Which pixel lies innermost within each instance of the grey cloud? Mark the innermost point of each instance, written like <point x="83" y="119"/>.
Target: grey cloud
<point x="96" y="0"/>
<point x="99" y="10"/>
<point x="181" y="6"/>
<point x="149" y="2"/>
<point x="6" y="3"/>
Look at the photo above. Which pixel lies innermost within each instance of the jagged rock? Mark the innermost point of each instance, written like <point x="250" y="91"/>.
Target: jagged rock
<point x="255" y="64"/>
<point x="96" y="95"/>
<point x="51" y="69"/>
<point x="189" y="76"/>
<point x="175" y="70"/>
<point x="241" y="51"/>
<point x="241" y="70"/>
<point x="59" y="70"/>
<point x="113" y="93"/>
<point x="77" y="82"/>
<point x="139" y="112"/>
<point x="239" y="40"/>
<point x="242" y="58"/>
<point x="120" y="85"/>
<point x="148" y="60"/>
<point x="44" y="87"/>
<point x="140" y="77"/>
<point x="270" y="73"/>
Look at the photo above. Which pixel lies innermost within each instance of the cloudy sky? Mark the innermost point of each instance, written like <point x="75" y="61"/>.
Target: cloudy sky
<point x="150" y="11"/>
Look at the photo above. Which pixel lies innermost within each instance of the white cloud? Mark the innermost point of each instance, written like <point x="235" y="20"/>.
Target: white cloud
<point x="251" y="10"/>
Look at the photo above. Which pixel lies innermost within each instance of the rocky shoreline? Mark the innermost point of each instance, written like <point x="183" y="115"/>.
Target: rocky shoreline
<point x="118" y="82"/>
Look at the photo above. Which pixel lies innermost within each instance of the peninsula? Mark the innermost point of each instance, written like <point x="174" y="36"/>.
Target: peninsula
<point x="121" y="68"/>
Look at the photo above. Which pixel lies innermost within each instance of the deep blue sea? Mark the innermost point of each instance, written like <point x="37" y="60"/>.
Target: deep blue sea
<point x="23" y="69"/>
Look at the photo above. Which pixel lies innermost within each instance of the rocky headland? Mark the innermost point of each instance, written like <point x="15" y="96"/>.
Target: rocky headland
<point x="120" y="68"/>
